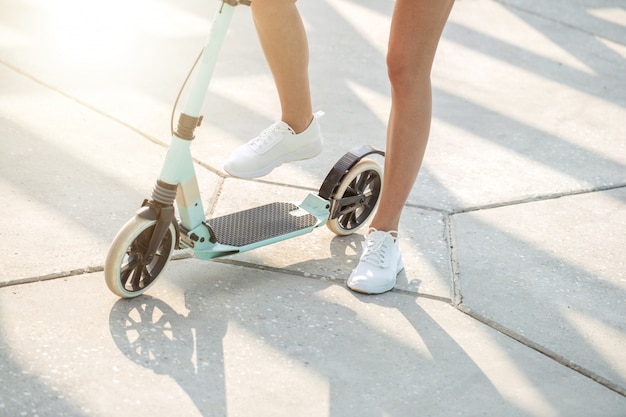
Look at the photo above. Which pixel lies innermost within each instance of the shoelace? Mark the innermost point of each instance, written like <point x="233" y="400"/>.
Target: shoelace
<point x="267" y="137"/>
<point x="377" y="247"/>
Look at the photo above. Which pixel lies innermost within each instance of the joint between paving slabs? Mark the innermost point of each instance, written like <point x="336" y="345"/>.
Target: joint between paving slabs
<point x="52" y="276"/>
<point x="537" y="198"/>
<point x="542" y="349"/>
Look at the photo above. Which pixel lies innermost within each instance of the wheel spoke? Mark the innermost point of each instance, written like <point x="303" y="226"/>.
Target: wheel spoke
<point x="362" y="180"/>
<point x="148" y="277"/>
<point x="373" y="184"/>
<point x="348" y="219"/>
<point x="343" y="220"/>
<point x="351" y="190"/>
<point x="127" y="270"/>
<point x="135" y="278"/>
<point x="352" y="220"/>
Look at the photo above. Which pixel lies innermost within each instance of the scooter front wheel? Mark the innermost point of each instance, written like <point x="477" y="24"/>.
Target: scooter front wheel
<point x="357" y="197"/>
<point x="128" y="270"/>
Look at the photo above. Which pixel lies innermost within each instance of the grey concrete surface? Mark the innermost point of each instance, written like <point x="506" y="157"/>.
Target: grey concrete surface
<point x="225" y="340"/>
<point x="513" y="301"/>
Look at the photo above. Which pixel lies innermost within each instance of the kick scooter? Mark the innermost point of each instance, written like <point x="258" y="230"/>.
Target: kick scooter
<point x="143" y="247"/>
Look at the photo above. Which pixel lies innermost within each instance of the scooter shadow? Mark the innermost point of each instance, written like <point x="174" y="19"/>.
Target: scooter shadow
<point x="152" y="334"/>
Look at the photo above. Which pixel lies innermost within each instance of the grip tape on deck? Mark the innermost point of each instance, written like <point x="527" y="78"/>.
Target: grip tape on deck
<point x="260" y="223"/>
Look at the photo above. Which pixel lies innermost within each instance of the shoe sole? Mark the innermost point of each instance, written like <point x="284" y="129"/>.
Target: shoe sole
<point x="308" y="152"/>
<point x="383" y="289"/>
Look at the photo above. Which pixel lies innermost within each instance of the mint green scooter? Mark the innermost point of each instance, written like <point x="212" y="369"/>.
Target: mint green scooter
<point x="143" y="247"/>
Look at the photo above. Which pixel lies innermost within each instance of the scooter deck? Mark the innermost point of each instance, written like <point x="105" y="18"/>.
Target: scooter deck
<point x="260" y="223"/>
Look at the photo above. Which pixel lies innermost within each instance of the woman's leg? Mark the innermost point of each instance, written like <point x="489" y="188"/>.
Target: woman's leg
<point x="416" y="27"/>
<point x="415" y="31"/>
<point x="284" y="42"/>
<point x="297" y="135"/>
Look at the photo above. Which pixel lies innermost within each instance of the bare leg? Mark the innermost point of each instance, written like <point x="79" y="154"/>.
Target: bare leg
<point x="415" y="31"/>
<point x="297" y="135"/>
<point x="416" y="27"/>
<point x="284" y="42"/>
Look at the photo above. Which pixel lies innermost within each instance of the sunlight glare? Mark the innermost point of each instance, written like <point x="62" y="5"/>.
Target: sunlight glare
<point x="11" y="38"/>
<point x="379" y="104"/>
<point x="614" y="46"/>
<point x="615" y="15"/>
<point x="87" y="31"/>
<point x="373" y="26"/>
<point x="304" y="384"/>
<point x="603" y="338"/>
<point x="507" y="27"/>
<point x="504" y="369"/>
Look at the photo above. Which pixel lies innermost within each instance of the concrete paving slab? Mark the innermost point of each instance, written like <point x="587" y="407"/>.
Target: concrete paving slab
<point x="604" y="18"/>
<point x="535" y="105"/>
<point x="212" y="339"/>
<point x="71" y="178"/>
<point x="553" y="272"/>
<point x="424" y="240"/>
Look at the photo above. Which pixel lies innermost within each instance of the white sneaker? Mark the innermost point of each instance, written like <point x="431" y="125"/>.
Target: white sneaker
<point x="274" y="146"/>
<point x="380" y="263"/>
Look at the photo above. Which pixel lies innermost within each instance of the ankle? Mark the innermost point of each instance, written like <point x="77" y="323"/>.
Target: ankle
<point x="389" y="228"/>
<point x="393" y="233"/>
<point x="298" y="124"/>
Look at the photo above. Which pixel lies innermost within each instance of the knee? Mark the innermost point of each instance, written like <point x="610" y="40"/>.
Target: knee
<point x="397" y="70"/>
<point x="405" y="71"/>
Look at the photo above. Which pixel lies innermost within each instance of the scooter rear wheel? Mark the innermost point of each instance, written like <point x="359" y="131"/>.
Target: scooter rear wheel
<point x="362" y="185"/>
<point x="127" y="270"/>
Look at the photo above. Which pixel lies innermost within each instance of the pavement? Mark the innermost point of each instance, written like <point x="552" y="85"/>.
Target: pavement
<point x="513" y="301"/>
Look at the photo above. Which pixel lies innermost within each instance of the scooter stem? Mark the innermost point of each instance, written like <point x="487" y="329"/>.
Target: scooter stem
<point x="207" y="63"/>
<point x="178" y="166"/>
